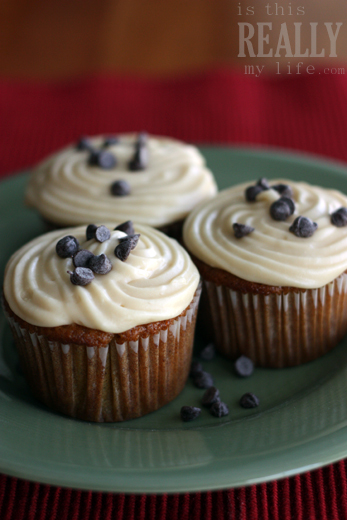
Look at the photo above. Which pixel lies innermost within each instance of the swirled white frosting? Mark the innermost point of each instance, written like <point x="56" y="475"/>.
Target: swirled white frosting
<point x="156" y="282"/>
<point x="271" y="254"/>
<point x="68" y="191"/>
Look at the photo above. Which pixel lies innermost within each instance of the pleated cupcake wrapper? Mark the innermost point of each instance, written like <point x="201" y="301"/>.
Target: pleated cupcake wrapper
<point x="110" y="383"/>
<point x="278" y="330"/>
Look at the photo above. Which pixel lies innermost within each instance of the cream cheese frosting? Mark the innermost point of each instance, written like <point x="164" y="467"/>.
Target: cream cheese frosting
<point x="156" y="282"/>
<point x="68" y="191"/>
<point x="271" y="254"/>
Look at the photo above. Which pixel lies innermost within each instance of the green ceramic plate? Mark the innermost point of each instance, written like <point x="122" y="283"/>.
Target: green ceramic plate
<point x="300" y="424"/>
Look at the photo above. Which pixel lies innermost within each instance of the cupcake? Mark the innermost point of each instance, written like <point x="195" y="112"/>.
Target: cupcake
<point x="155" y="181"/>
<point x="273" y="259"/>
<point x="103" y="319"/>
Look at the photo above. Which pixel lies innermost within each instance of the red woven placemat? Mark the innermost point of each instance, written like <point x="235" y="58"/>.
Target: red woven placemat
<point x="302" y="113"/>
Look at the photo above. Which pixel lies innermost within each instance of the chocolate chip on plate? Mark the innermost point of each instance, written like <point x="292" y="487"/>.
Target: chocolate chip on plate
<point x="208" y="353"/>
<point x="219" y="409"/>
<point x="203" y="380"/>
<point x="242" y="230"/>
<point x="90" y="231"/>
<point x="243" y="366"/>
<point x="102" y="159"/>
<point x="67" y="246"/>
<point x="249" y="401"/>
<point x="189" y="413"/>
<point x="127" y="227"/>
<point x="210" y="396"/>
<point x="195" y="368"/>
<point x="339" y="217"/>
<point x="100" y="264"/>
<point x="81" y="276"/>
<point x="102" y="233"/>
<point x="282" y="208"/>
<point x="120" y="188"/>
<point x="82" y="257"/>
<point x="283" y="189"/>
<point x="303" y="227"/>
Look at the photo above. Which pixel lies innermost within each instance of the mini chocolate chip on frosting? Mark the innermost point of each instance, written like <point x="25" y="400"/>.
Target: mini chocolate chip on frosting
<point x="141" y="156"/>
<point x="251" y="192"/>
<point x="127" y="227"/>
<point x="241" y="230"/>
<point x="90" y="231"/>
<point x="100" y="264"/>
<point x="303" y="227"/>
<point x="282" y="208"/>
<point x="120" y="188"/>
<point x="102" y="234"/>
<point x="82" y="257"/>
<point x="102" y="159"/>
<point x="68" y="191"/>
<point x="157" y="282"/>
<point x="271" y="255"/>
<point x="67" y="246"/>
<point x="81" y="276"/>
<point x="339" y="217"/>
<point x="283" y="189"/>
<point x="125" y="246"/>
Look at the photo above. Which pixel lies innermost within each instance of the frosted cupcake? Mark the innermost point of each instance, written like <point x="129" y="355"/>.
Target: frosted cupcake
<point x="153" y="180"/>
<point x="103" y="319"/>
<point x="274" y="260"/>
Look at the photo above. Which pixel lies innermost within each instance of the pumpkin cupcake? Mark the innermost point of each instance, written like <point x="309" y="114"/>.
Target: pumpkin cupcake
<point x="103" y="319"/>
<point x="155" y="181"/>
<point x="273" y="258"/>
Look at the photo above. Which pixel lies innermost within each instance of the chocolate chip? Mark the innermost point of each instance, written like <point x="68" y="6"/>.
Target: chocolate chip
<point x="244" y="366"/>
<point x="123" y="250"/>
<point x="127" y="227"/>
<point x="110" y="140"/>
<point x="140" y="159"/>
<point x="251" y="193"/>
<point x="102" y="159"/>
<point x="339" y="217"/>
<point x="282" y="208"/>
<point x="132" y="239"/>
<point x="142" y="138"/>
<point x="81" y="276"/>
<point x="263" y="183"/>
<point x="82" y="257"/>
<point x="219" y="409"/>
<point x="303" y="227"/>
<point x="90" y="231"/>
<point x="100" y="264"/>
<point x="195" y="369"/>
<point x="67" y="246"/>
<point x="84" y="144"/>
<point x="210" y="396"/>
<point x="283" y="189"/>
<point x="249" y="401"/>
<point x="189" y="413"/>
<point x="241" y="230"/>
<point x="120" y="188"/>
<point x="203" y="380"/>
<point x="208" y="353"/>
<point x="102" y="234"/>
